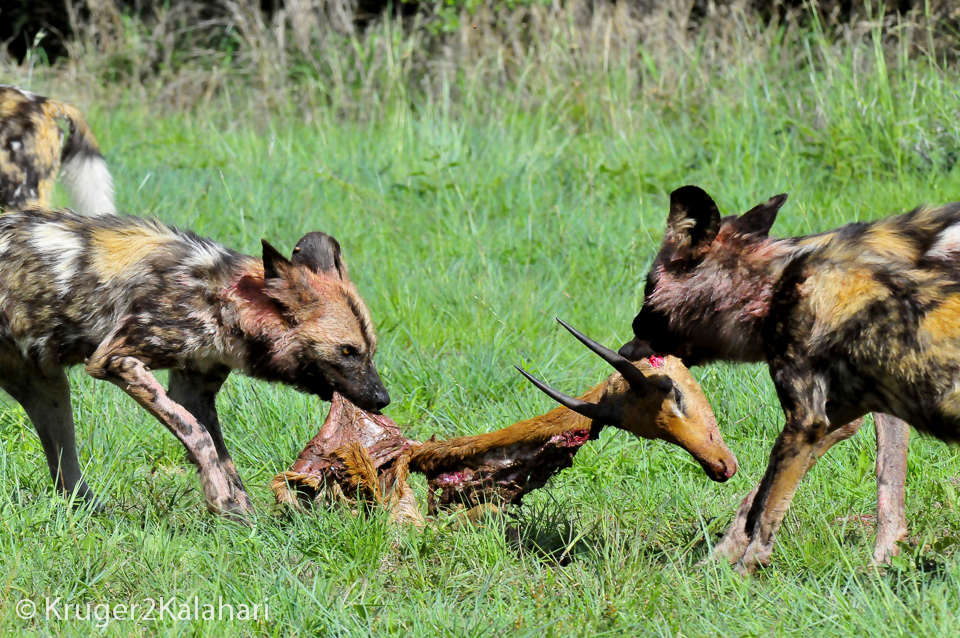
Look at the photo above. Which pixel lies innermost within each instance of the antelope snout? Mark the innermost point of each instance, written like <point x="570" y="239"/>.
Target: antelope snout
<point x="720" y="470"/>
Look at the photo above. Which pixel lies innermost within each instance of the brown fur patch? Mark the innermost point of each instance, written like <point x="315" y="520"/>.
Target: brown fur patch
<point x="433" y="455"/>
<point x="361" y="473"/>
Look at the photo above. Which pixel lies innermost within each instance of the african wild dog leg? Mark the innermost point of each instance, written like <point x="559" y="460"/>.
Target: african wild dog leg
<point x="197" y="392"/>
<point x="734" y="543"/>
<point x="892" y="437"/>
<point x="45" y="397"/>
<point x="804" y="398"/>
<point x="221" y="483"/>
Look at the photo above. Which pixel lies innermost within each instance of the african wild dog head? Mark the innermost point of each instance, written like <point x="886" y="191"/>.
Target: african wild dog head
<point x="315" y="332"/>
<point x="708" y="288"/>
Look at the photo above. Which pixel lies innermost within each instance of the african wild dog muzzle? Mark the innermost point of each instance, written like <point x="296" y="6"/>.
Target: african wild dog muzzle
<point x="363" y="389"/>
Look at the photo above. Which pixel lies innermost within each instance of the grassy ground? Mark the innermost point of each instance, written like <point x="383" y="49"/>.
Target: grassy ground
<point x="467" y="235"/>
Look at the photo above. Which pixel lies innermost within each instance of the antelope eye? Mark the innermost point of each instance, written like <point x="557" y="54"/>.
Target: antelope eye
<point x="678" y="397"/>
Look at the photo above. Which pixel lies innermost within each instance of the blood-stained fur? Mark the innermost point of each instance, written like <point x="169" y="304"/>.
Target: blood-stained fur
<point x="126" y="296"/>
<point x="859" y="319"/>
<point x="32" y="150"/>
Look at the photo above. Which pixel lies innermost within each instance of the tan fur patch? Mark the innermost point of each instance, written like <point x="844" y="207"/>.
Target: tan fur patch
<point x="361" y="472"/>
<point x="794" y="464"/>
<point x="888" y="242"/>
<point x="836" y="295"/>
<point x="950" y="403"/>
<point x="117" y="252"/>
<point x="816" y="241"/>
<point x="942" y="323"/>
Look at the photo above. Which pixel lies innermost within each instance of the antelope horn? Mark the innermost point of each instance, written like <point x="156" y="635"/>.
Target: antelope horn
<point x="630" y="372"/>
<point x="606" y="414"/>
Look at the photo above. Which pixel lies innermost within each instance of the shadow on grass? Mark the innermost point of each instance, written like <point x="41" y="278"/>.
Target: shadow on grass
<point x="926" y="562"/>
<point x="554" y="532"/>
<point x="547" y="531"/>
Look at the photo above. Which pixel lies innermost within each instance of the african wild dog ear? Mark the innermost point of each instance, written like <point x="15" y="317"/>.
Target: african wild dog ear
<point x="320" y="253"/>
<point x="693" y="222"/>
<point x="759" y="219"/>
<point x="272" y="261"/>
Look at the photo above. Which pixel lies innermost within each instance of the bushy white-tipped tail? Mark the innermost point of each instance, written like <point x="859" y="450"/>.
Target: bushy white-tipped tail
<point x="83" y="169"/>
<point x="87" y="179"/>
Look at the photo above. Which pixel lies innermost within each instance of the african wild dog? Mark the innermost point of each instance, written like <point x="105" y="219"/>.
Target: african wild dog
<point x="126" y="296"/>
<point x="864" y="318"/>
<point x="32" y="149"/>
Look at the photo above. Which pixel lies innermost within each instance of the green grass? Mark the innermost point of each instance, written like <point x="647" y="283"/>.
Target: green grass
<point x="467" y="235"/>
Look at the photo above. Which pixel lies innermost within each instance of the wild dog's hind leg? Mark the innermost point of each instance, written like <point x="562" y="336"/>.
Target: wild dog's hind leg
<point x="45" y="397"/>
<point x="734" y="542"/>
<point x="197" y="392"/>
<point x="113" y="361"/>
<point x="892" y="438"/>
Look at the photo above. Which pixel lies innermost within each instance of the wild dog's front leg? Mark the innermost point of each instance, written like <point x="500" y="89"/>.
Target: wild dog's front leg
<point x="734" y="543"/>
<point x="221" y="484"/>
<point x="892" y="438"/>
<point x="803" y="398"/>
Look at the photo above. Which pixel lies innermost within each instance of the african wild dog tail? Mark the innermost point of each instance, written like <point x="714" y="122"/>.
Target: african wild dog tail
<point x="84" y="170"/>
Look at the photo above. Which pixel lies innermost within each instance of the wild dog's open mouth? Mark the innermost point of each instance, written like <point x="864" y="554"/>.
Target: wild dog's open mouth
<point x="318" y="387"/>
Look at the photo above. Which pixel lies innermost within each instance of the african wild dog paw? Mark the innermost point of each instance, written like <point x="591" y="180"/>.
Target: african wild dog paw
<point x="754" y="557"/>
<point x="236" y="508"/>
<point x="728" y="550"/>
<point x="225" y="494"/>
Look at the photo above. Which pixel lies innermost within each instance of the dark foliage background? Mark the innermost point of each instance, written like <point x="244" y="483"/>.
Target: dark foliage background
<point x="52" y="24"/>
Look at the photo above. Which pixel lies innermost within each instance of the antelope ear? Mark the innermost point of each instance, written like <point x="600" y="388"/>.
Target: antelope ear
<point x="320" y="253"/>
<point x="665" y="384"/>
<point x="693" y="222"/>
<point x="759" y="219"/>
<point x="273" y="261"/>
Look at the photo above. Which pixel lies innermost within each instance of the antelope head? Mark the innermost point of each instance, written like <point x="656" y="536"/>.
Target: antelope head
<point x="654" y="398"/>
